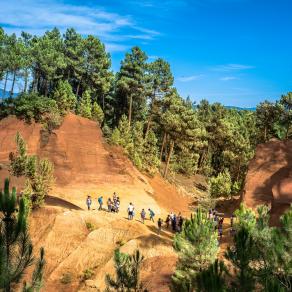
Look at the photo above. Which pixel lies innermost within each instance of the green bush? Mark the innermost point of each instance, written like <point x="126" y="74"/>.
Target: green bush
<point x="97" y="113"/>
<point x="221" y="185"/>
<point x="87" y="274"/>
<point x="90" y="226"/>
<point x="31" y="106"/>
<point x="66" y="278"/>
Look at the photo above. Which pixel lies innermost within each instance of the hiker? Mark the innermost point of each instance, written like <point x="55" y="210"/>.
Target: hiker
<point x="114" y="198"/>
<point x="173" y="223"/>
<point x="180" y="223"/>
<point x="88" y="202"/>
<point x="143" y="215"/>
<point x="171" y="216"/>
<point x="109" y="205"/>
<point x="117" y="205"/>
<point x="130" y="211"/>
<point x="100" y="202"/>
<point x="151" y="215"/>
<point x="167" y="221"/>
<point x="159" y="223"/>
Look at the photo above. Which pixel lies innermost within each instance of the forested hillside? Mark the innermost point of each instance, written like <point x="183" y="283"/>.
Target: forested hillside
<point x="138" y="107"/>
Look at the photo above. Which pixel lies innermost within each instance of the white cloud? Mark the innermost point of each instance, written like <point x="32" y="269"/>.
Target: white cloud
<point x="228" y="78"/>
<point x="232" y="67"/>
<point x="38" y="16"/>
<point x="190" y="78"/>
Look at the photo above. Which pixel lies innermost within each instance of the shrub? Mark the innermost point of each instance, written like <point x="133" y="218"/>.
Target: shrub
<point x="97" y="113"/>
<point x="221" y="185"/>
<point x="64" y="97"/>
<point x="31" y="106"/>
<point x="38" y="173"/>
<point x="87" y="274"/>
<point x="66" y="278"/>
<point x="90" y="227"/>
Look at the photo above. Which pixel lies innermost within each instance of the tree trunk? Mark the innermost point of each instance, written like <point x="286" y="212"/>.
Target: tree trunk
<point x="265" y="134"/>
<point x="5" y="84"/>
<point x="78" y="87"/>
<point x="168" y="158"/>
<point x="13" y="82"/>
<point x="46" y="87"/>
<point x="162" y="146"/>
<point x="148" y="126"/>
<point x="130" y="110"/>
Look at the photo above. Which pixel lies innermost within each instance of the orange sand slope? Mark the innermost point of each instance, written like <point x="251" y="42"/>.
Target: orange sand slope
<point x="85" y="164"/>
<point x="269" y="178"/>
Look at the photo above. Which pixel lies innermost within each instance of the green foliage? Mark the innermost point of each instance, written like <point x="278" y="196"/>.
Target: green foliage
<point x="197" y="247"/>
<point x="84" y="105"/>
<point x="241" y="256"/>
<point x="87" y="274"/>
<point x="18" y="160"/>
<point x="16" y="250"/>
<point x="131" y="86"/>
<point x="150" y="154"/>
<point x="64" y="97"/>
<point x="213" y="278"/>
<point x="38" y="173"/>
<point x="39" y="183"/>
<point x="127" y="269"/>
<point x="90" y="227"/>
<point x="33" y="107"/>
<point x="97" y="113"/>
<point x="66" y="278"/>
<point x="37" y="276"/>
<point x="221" y="185"/>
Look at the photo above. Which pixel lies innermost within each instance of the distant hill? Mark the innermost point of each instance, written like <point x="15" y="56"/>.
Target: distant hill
<point x="241" y="108"/>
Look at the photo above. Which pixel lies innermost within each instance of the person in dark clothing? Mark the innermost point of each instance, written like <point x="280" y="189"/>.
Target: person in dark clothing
<point x="180" y="223"/>
<point x="167" y="221"/>
<point x="143" y="215"/>
<point x="173" y="223"/>
<point x="159" y="223"/>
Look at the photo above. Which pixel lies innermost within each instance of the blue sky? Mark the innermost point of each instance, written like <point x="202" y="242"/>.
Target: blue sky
<point x="238" y="52"/>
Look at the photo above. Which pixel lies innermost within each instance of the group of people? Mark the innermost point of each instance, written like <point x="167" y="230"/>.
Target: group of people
<point x="213" y="215"/>
<point x="113" y="205"/>
<point x="174" y="221"/>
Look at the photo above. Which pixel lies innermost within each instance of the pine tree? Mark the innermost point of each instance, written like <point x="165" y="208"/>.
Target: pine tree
<point x="213" y="279"/>
<point x="64" y="96"/>
<point x="84" y="106"/>
<point x="18" y="160"/>
<point x="197" y="247"/>
<point x="16" y="250"/>
<point x="150" y="153"/>
<point x="136" y="152"/>
<point x="97" y="75"/>
<point x="49" y="61"/>
<point x="131" y="85"/>
<point x="39" y="173"/>
<point x="126" y="139"/>
<point x="160" y="83"/>
<point x="74" y="56"/>
<point x="127" y="272"/>
<point x="97" y="113"/>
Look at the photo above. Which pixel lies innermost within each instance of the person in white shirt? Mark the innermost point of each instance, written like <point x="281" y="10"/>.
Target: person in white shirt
<point x="131" y="211"/>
